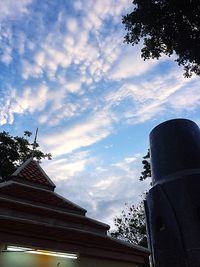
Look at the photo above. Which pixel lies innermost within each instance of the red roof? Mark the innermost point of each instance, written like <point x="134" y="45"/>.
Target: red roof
<point x="31" y="172"/>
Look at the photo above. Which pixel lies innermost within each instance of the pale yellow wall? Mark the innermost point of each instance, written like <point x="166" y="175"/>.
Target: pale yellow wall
<point x="13" y="259"/>
<point x="94" y="262"/>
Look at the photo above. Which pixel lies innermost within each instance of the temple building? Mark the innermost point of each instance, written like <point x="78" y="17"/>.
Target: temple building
<point x="38" y="227"/>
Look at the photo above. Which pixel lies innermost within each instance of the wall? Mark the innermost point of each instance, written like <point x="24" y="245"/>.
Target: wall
<point x="18" y="259"/>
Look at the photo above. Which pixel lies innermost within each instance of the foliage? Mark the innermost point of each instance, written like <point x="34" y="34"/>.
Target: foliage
<point x="131" y="225"/>
<point x="165" y="27"/>
<point x="146" y="173"/>
<point x="14" y="150"/>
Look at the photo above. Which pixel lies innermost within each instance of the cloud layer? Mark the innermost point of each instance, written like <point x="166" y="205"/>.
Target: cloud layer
<point x="65" y="68"/>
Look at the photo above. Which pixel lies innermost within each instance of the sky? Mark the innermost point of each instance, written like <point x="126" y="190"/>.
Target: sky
<point x="64" y="68"/>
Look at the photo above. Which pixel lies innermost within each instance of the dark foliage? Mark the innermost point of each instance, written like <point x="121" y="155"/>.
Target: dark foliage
<point x="146" y="173"/>
<point x="167" y="27"/>
<point x="131" y="225"/>
<point x="14" y="150"/>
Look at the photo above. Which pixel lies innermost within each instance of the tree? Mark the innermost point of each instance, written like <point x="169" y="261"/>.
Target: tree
<point x="146" y="173"/>
<point x="131" y="227"/>
<point x="14" y="150"/>
<point x="166" y="27"/>
<point x="130" y="224"/>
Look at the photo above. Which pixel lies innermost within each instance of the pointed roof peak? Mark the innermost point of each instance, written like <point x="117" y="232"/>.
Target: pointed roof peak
<point x="30" y="172"/>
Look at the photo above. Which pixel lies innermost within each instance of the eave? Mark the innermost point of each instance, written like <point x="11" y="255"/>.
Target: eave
<point x="44" y="236"/>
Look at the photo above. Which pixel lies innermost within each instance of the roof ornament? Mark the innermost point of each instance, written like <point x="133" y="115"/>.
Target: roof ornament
<point x="34" y="144"/>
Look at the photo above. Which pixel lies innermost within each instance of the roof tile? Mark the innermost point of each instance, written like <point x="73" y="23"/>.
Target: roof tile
<point x="40" y="197"/>
<point x="31" y="172"/>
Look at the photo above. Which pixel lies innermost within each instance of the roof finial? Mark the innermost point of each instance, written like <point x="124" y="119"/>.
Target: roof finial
<point x="35" y="143"/>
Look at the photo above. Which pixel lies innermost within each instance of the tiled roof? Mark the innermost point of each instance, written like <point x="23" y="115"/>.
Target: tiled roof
<point x="65" y="217"/>
<point x="29" y="183"/>
<point x="40" y="197"/>
<point x="31" y="172"/>
<point x="32" y="213"/>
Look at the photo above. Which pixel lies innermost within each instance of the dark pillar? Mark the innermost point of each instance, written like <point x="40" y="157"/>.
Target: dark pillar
<point x="173" y="203"/>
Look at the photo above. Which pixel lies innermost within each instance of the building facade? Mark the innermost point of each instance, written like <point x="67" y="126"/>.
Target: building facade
<point x="38" y="227"/>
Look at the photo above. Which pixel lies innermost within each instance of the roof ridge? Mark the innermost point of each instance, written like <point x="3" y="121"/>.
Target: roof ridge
<point x="21" y="167"/>
<point x="30" y="171"/>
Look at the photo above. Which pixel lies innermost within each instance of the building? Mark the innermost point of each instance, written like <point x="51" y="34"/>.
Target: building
<point x="35" y="222"/>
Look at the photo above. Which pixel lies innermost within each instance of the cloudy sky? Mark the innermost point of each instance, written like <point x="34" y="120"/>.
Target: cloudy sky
<point x="65" y="69"/>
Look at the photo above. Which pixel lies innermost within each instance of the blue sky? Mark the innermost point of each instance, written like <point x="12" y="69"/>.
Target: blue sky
<point x="65" y="69"/>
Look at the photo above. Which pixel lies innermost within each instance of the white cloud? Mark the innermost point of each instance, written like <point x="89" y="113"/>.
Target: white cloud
<point x="6" y="57"/>
<point x="35" y="99"/>
<point x="59" y="50"/>
<point x="186" y="99"/>
<point x="81" y="135"/>
<point x="6" y="103"/>
<point x="13" y="8"/>
<point x="5" y="115"/>
<point x="153" y="96"/>
<point x="72" y="25"/>
<point x="6" y="39"/>
<point x="78" y="5"/>
<point x="47" y="59"/>
<point x="145" y="113"/>
<point x="73" y="56"/>
<point x="68" y="167"/>
<point x="32" y="99"/>
<point x="73" y="87"/>
<point x="31" y="70"/>
<point x="156" y="96"/>
<point x="92" y="56"/>
<point x="97" y="12"/>
<point x="130" y="159"/>
<point x="40" y="58"/>
<point x="105" y="189"/>
<point x="21" y="43"/>
<point x="104" y="184"/>
<point x="131" y="64"/>
<point x="62" y="109"/>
